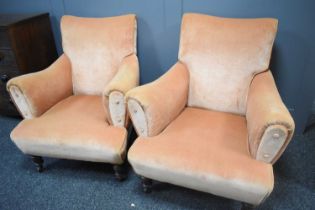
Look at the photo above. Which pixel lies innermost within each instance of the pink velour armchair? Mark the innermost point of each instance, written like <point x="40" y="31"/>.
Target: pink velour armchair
<point x="75" y="108"/>
<point x="215" y="121"/>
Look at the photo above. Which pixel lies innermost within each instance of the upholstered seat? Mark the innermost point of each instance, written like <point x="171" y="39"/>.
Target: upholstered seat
<point x="76" y="126"/>
<point x="215" y="121"/>
<point x="75" y="108"/>
<point x="204" y="150"/>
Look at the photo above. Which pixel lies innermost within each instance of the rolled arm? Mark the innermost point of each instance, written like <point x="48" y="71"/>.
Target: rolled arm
<point x="270" y="125"/>
<point x="125" y="79"/>
<point x="35" y="93"/>
<point x="153" y="106"/>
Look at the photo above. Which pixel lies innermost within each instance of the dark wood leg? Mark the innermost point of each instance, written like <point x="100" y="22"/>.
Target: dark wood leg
<point x="246" y="206"/>
<point x="146" y="184"/>
<point x="38" y="162"/>
<point x="120" y="172"/>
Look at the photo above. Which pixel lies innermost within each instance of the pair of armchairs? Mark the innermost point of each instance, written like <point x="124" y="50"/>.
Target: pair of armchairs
<point x="214" y="122"/>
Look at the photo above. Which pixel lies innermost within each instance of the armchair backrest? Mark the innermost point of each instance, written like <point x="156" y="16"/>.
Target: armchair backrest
<point x="223" y="55"/>
<point x="95" y="47"/>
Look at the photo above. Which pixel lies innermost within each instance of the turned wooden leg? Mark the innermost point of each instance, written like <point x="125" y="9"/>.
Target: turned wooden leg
<point x="120" y="172"/>
<point x="246" y="206"/>
<point x="38" y="162"/>
<point x="146" y="184"/>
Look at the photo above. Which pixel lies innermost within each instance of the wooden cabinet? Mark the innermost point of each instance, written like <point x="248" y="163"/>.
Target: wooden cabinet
<point x="26" y="45"/>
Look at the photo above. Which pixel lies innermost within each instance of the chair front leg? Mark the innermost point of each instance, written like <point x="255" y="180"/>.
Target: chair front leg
<point x="146" y="184"/>
<point x="120" y="172"/>
<point x="246" y="206"/>
<point x="38" y="161"/>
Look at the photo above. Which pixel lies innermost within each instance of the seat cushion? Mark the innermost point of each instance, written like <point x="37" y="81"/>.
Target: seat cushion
<point x="207" y="151"/>
<point x="74" y="128"/>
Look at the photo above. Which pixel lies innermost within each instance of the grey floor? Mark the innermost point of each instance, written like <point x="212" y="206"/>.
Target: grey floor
<point x="82" y="185"/>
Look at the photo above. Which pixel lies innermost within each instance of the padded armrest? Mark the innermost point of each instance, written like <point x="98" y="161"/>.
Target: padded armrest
<point x="35" y="93"/>
<point x="125" y="79"/>
<point x="270" y="125"/>
<point x="153" y="106"/>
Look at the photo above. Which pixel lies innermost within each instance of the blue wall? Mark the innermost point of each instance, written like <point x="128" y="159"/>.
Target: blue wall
<point x="293" y="57"/>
